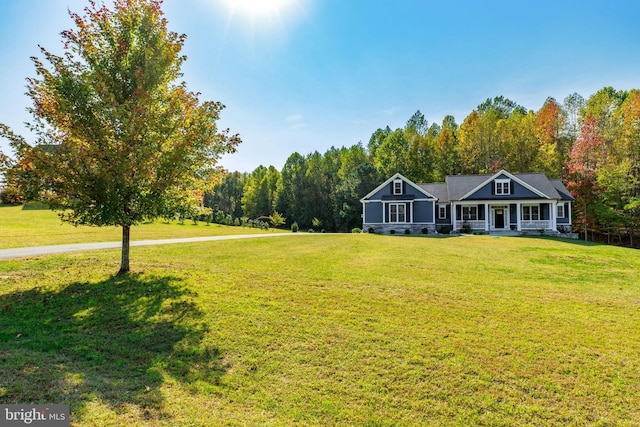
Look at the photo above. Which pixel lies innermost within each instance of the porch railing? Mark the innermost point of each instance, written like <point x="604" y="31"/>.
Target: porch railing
<point x="535" y="225"/>
<point x="475" y="225"/>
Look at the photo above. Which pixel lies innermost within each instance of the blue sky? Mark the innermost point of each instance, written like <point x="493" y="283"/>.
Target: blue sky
<point x="322" y="73"/>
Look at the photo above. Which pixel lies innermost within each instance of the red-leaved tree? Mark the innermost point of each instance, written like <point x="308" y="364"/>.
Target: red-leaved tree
<point x="586" y="158"/>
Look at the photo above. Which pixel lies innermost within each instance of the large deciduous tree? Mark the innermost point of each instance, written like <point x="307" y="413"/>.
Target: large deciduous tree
<point x="586" y="158"/>
<point x="119" y="138"/>
<point x="550" y="122"/>
<point x="517" y="142"/>
<point x="393" y="154"/>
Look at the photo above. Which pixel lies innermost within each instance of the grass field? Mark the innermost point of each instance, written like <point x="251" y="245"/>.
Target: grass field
<point x="329" y="330"/>
<point x="20" y="227"/>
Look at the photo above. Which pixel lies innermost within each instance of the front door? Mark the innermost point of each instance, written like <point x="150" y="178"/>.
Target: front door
<point x="499" y="218"/>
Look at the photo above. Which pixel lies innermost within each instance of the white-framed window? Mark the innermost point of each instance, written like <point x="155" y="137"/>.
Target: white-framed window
<point x="470" y="213"/>
<point x="442" y="211"/>
<point x="531" y="213"/>
<point x="503" y="187"/>
<point x="397" y="212"/>
<point x="560" y="210"/>
<point x="397" y="186"/>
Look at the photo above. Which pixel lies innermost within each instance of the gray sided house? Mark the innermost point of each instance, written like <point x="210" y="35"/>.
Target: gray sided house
<point x="502" y="202"/>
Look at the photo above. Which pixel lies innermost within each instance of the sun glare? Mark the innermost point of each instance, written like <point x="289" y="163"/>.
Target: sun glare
<point x="257" y="9"/>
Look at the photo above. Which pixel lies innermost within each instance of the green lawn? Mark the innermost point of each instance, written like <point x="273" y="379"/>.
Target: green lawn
<point x="24" y="226"/>
<point x="329" y="330"/>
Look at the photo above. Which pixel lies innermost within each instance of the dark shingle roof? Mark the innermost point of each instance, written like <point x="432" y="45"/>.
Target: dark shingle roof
<point x="561" y="189"/>
<point x="457" y="186"/>
<point x="540" y="182"/>
<point x="438" y="190"/>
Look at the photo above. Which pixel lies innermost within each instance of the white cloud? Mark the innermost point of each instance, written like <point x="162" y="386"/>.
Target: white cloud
<point x="389" y="111"/>
<point x="294" y="118"/>
<point x="295" y="122"/>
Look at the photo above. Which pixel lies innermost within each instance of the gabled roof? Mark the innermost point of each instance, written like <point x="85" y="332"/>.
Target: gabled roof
<point x="460" y="187"/>
<point x="394" y="177"/>
<point x="539" y="178"/>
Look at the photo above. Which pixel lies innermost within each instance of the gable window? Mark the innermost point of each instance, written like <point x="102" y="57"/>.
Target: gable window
<point x="531" y="213"/>
<point x="397" y="186"/>
<point x="503" y="187"/>
<point x="397" y="212"/>
<point x="560" y="210"/>
<point x="442" y="211"/>
<point x="470" y="213"/>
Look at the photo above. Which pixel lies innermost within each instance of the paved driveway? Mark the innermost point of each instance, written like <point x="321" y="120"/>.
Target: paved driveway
<point x="79" y="247"/>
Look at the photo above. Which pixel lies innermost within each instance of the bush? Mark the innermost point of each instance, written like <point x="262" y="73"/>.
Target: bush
<point x="294" y="227"/>
<point x="407" y="231"/>
<point x="445" y="229"/>
<point x="371" y="230"/>
<point x="425" y="230"/>
<point x="356" y="230"/>
<point x="466" y="228"/>
<point x="392" y="232"/>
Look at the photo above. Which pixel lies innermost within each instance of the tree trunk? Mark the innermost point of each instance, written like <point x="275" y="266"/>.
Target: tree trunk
<point x="124" y="263"/>
<point x="586" y="231"/>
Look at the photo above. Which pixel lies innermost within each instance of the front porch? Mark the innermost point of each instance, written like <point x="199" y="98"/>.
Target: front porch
<point x="520" y="217"/>
<point x="526" y="227"/>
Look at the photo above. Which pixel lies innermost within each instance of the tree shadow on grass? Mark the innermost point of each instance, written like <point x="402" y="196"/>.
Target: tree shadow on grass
<point x="113" y="342"/>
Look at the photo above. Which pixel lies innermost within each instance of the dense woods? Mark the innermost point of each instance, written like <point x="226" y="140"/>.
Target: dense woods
<point x="593" y="144"/>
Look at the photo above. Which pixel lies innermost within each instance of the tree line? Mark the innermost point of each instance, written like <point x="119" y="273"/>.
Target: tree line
<point x="592" y="144"/>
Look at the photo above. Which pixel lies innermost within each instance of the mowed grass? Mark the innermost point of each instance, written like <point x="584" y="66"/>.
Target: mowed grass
<point x="329" y="330"/>
<point x="22" y="226"/>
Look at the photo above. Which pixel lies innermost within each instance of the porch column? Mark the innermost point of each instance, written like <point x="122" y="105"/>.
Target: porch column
<point x="569" y="208"/>
<point x="384" y="213"/>
<point x="486" y="217"/>
<point x="453" y="216"/>
<point x="518" y="215"/>
<point x="411" y="210"/>
<point x="553" y="207"/>
<point x="435" y="209"/>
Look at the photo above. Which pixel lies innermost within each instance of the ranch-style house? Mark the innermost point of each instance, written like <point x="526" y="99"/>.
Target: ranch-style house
<point x="497" y="203"/>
